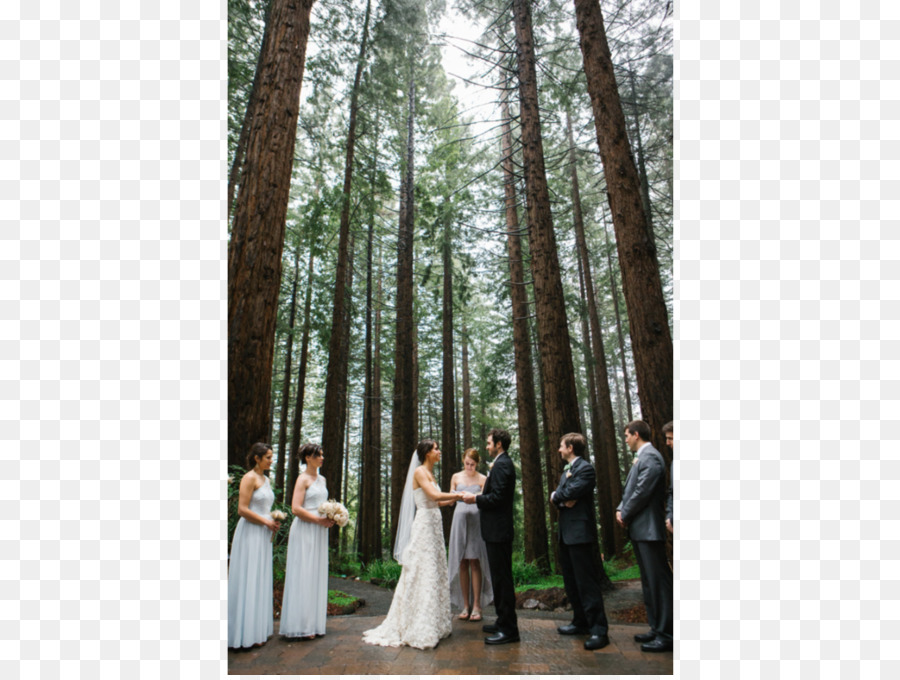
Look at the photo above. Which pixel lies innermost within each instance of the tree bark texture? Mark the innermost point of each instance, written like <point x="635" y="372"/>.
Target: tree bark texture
<point x="609" y="483"/>
<point x="529" y="443"/>
<point x="621" y="335"/>
<point x="238" y="160"/>
<point x="294" y="464"/>
<point x="560" y="397"/>
<point x="257" y="232"/>
<point x="404" y="425"/>
<point x="369" y="525"/>
<point x="466" y="391"/>
<point x="449" y="459"/>
<point x="338" y="345"/>
<point x="651" y="340"/>
<point x="641" y="165"/>
<point x="286" y="387"/>
<point x="340" y="460"/>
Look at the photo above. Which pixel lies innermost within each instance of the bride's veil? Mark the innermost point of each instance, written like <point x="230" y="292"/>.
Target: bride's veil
<point x="407" y="511"/>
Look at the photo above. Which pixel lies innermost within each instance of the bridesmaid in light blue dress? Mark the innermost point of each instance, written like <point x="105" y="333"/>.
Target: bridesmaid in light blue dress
<point x="250" y="594"/>
<point x="305" y="602"/>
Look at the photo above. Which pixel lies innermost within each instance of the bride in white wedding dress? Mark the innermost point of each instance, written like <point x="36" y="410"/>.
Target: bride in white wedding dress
<point x="420" y="611"/>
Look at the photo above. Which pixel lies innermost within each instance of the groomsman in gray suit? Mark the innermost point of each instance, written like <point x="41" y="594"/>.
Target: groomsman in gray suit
<point x="642" y="512"/>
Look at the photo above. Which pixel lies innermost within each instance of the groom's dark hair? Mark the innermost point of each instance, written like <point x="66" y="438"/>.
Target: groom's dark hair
<point x="501" y="437"/>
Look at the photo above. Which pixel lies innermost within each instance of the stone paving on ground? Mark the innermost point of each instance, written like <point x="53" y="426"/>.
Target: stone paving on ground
<point x="541" y="651"/>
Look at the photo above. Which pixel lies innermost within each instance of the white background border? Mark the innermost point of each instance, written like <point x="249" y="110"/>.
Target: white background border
<point x="113" y="354"/>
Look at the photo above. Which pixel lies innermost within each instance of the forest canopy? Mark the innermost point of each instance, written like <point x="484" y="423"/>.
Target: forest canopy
<point x="446" y="217"/>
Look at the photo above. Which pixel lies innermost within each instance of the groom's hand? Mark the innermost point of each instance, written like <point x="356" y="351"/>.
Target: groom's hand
<point x="571" y="503"/>
<point x="468" y="498"/>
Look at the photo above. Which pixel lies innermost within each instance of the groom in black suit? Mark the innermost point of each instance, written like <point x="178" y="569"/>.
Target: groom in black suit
<point x="496" y="505"/>
<point x="578" y="544"/>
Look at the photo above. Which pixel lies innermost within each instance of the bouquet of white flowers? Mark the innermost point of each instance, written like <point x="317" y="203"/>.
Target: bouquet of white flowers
<point x="278" y="516"/>
<point x="336" y="511"/>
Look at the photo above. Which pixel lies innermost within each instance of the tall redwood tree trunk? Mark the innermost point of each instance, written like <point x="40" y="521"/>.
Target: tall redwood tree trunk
<point x="619" y="333"/>
<point x="286" y="387"/>
<point x="609" y="484"/>
<point x="449" y="461"/>
<point x="529" y="444"/>
<point x="294" y="460"/>
<point x="338" y="462"/>
<point x="338" y="346"/>
<point x="600" y="463"/>
<point x="641" y="165"/>
<point x="466" y="391"/>
<point x="369" y="525"/>
<point x="560" y="398"/>
<point x="651" y="341"/>
<point x="257" y="231"/>
<point x="404" y="425"/>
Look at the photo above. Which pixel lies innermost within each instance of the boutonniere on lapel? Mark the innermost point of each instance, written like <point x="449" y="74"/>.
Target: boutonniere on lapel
<point x="568" y="470"/>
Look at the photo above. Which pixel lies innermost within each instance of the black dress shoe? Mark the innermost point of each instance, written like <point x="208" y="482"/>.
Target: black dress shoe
<point x="572" y="629"/>
<point x="657" y="645"/>
<point x="501" y="639"/>
<point x="596" y="642"/>
<point x="645" y="637"/>
<point x="490" y="628"/>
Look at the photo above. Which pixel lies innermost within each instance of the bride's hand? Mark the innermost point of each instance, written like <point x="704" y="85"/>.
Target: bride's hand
<point x="325" y="522"/>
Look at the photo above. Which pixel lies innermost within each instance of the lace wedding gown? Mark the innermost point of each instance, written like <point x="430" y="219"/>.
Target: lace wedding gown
<point x="420" y="611"/>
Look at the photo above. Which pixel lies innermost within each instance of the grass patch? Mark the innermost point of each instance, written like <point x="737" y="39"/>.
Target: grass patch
<point x="383" y="572"/>
<point x="340" y="598"/>
<point x="541" y="583"/>
<point x="625" y="574"/>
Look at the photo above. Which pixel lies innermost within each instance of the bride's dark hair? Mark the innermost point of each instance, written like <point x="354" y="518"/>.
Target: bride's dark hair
<point x="424" y="447"/>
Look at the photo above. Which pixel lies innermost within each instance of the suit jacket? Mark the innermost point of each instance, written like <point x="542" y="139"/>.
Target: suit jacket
<point x="669" y="499"/>
<point x="643" y="503"/>
<point x="577" y="524"/>
<point x="496" y="501"/>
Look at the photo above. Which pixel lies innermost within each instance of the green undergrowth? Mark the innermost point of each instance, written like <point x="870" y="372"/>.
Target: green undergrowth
<point x="340" y="598"/>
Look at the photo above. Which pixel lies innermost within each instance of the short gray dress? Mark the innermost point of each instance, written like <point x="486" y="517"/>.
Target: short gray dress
<point x="465" y="544"/>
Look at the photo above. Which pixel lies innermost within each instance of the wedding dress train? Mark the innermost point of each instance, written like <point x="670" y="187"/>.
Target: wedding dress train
<point x="420" y="611"/>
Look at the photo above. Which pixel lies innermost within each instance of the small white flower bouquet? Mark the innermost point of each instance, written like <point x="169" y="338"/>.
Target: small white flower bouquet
<point x="278" y="516"/>
<point x="332" y="509"/>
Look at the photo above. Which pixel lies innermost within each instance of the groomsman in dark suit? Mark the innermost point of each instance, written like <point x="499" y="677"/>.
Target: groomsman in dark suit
<point x="642" y="512"/>
<point x="496" y="505"/>
<point x="670" y="442"/>
<point x="578" y="544"/>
